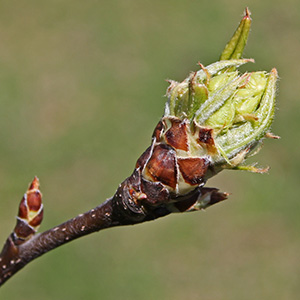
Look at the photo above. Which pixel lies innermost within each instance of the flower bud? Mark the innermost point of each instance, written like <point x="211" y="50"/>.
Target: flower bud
<point x="213" y="120"/>
<point x="237" y="108"/>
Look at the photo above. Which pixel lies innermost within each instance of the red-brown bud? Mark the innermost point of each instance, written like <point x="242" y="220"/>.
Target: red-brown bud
<point x="30" y="213"/>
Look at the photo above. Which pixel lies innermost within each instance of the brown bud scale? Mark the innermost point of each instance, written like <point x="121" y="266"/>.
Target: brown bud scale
<point x="23" y="212"/>
<point x="162" y="165"/>
<point x="193" y="169"/>
<point x="204" y="137"/>
<point x="34" y="200"/>
<point x="176" y="136"/>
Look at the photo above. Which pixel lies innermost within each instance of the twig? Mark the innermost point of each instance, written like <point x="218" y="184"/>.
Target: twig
<point x="116" y="211"/>
<point x="213" y="120"/>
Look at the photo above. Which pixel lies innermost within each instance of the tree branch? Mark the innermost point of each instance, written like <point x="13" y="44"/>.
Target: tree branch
<point x="213" y="120"/>
<point x="116" y="211"/>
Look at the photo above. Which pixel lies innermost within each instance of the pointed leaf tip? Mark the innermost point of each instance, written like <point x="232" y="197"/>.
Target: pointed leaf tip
<point x="247" y="13"/>
<point x="35" y="184"/>
<point x="274" y="71"/>
<point x="235" y="47"/>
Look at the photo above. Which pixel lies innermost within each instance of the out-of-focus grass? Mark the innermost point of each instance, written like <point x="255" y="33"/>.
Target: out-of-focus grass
<point x="81" y="86"/>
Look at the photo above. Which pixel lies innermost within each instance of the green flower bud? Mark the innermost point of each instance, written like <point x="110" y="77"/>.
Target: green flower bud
<point x="213" y="120"/>
<point x="239" y="108"/>
<point x="236" y="109"/>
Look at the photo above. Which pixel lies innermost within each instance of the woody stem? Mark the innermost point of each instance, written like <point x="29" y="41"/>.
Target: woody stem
<point x="14" y="257"/>
<point x="113" y="212"/>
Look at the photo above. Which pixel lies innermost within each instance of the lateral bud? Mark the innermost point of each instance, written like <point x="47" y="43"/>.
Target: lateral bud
<point x="30" y="213"/>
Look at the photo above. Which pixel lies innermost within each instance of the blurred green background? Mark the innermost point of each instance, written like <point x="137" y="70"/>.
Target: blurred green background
<point x="81" y="89"/>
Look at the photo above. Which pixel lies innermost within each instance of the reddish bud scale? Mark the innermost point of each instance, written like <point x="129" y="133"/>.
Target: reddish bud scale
<point x="205" y="139"/>
<point x="177" y="135"/>
<point x="162" y="165"/>
<point x="30" y="213"/>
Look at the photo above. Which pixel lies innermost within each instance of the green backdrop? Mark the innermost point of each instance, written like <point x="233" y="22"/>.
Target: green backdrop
<point x="81" y="89"/>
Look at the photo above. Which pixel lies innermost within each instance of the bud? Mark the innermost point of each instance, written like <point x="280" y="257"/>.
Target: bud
<point x="30" y="213"/>
<point x="213" y="120"/>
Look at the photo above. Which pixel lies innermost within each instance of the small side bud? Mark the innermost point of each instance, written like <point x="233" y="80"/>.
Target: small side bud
<point x="30" y="213"/>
